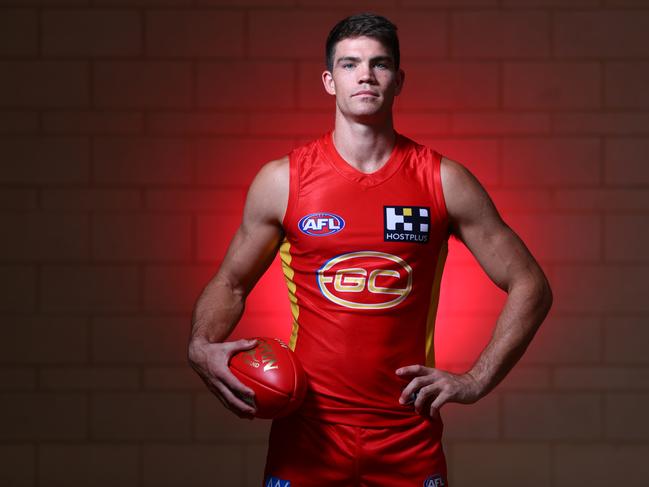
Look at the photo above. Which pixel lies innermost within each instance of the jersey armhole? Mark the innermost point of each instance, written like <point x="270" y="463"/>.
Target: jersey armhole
<point x="438" y="190"/>
<point x="293" y="190"/>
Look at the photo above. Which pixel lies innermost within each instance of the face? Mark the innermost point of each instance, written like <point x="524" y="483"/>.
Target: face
<point x="364" y="79"/>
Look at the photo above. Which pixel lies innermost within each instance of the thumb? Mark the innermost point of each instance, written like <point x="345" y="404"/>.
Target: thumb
<point x="237" y="346"/>
<point x="247" y="343"/>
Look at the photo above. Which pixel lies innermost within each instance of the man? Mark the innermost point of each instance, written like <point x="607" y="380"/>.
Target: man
<point x="361" y="217"/>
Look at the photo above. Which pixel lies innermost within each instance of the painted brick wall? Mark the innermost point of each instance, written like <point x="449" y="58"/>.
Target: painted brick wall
<point x="129" y="131"/>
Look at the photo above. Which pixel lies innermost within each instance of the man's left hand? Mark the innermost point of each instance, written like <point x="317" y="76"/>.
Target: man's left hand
<point x="434" y="387"/>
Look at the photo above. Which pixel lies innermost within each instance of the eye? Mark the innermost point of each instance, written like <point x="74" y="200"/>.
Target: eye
<point x="347" y="65"/>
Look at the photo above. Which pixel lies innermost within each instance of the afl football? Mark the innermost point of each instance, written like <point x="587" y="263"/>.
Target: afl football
<point x="273" y="371"/>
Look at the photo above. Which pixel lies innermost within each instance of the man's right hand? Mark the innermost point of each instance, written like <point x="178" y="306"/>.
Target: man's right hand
<point x="210" y="361"/>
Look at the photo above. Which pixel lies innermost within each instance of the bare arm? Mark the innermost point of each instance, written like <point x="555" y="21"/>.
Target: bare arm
<point x="221" y="304"/>
<point x="509" y="264"/>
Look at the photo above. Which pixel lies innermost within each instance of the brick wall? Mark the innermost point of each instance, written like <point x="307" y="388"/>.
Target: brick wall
<point x="129" y="131"/>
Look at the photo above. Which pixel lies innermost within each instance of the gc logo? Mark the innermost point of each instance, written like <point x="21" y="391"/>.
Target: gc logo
<point x="365" y="280"/>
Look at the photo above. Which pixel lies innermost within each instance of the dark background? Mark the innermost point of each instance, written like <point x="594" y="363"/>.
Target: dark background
<point x="129" y="132"/>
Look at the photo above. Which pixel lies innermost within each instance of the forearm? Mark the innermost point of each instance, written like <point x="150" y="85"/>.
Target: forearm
<point x="217" y="311"/>
<point x="527" y="305"/>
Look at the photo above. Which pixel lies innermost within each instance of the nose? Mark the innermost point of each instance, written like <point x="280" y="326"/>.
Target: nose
<point x="365" y="73"/>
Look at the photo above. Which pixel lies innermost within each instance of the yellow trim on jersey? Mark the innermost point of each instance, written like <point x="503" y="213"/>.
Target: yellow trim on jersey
<point x="285" y="256"/>
<point x="434" y="301"/>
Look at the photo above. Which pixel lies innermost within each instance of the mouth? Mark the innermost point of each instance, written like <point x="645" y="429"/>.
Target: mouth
<point x="366" y="93"/>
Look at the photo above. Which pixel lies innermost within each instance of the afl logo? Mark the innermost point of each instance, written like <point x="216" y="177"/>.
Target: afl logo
<point x="321" y="224"/>
<point x="365" y="280"/>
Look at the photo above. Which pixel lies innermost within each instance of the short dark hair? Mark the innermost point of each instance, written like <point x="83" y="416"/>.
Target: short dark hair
<point x="363" y="24"/>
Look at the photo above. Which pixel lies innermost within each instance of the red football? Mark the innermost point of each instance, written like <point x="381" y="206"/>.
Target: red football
<point x="273" y="371"/>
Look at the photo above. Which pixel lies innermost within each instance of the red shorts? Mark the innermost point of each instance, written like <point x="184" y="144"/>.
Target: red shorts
<point x="305" y="452"/>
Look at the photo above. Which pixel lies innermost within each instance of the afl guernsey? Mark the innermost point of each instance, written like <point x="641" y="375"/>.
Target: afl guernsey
<point x="363" y="256"/>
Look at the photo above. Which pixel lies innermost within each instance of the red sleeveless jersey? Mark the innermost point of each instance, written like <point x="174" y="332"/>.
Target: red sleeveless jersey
<point x="363" y="258"/>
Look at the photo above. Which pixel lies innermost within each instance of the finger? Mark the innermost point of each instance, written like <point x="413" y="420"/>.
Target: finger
<point x="239" y="345"/>
<point x="409" y="393"/>
<point x="411" y="370"/>
<point x="439" y="401"/>
<point x="234" y="384"/>
<point x="426" y="396"/>
<point x="234" y="403"/>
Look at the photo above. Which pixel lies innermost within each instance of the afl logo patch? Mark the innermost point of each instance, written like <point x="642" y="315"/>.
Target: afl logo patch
<point x="321" y="224"/>
<point x="434" y="481"/>
<point x="365" y="280"/>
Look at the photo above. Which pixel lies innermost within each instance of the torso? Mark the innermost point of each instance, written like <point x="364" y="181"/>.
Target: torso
<point x="363" y="256"/>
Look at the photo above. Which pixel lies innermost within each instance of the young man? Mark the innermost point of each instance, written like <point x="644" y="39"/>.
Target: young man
<point x="361" y="217"/>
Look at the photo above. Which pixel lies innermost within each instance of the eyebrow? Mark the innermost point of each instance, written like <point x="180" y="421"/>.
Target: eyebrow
<point x="357" y="59"/>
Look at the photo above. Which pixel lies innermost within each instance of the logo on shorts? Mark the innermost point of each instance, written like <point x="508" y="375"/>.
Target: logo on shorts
<point x="406" y="224"/>
<point x="434" y="481"/>
<point x="321" y="224"/>
<point x="275" y="482"/>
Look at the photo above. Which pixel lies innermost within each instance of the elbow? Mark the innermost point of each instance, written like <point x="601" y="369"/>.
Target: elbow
<point x="538" y="292"/>
<point x="543" y="294"/>
<point x="547" y="299"/>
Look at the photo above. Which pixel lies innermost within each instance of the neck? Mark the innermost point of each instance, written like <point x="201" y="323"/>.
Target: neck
<point x="365" y="147"/>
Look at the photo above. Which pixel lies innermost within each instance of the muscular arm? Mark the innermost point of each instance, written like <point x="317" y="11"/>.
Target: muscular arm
<point x="509" y="264"/>
<point x="221" y="304"/>
<point x="251" y="251"/>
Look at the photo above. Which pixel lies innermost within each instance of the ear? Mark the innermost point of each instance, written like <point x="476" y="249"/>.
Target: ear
<point x="400" y="78"/>
<point x="328" y="82"/>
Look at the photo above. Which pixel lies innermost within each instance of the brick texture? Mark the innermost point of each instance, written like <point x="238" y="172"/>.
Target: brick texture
<point x="89" y="122"/>
<point x="623" y="81"/>
<point x="39" y="416"/>
<point x="93" y="33"/>
<point x="143" y="160"/>
<point x="20" y="284"/>
<point x="44" y="84"/>
<point x="199" y="465"/>
<point x="33" y="339"/>
<point x="527" y="464"/>
<point x="18" y="33"/>
<point x="625" y="162"/>
<point x="45" y="236"/>
<point x="552" y="162"/>
<point x="141" y="416"/>
<point x="554" y="417"/>
<point x="131" y="84"/>
<point x="79" y="289"/>
<point x="239" y="85"/>
<point x="575" y="464"/>
<point x="19" y="465"/>
<point x="625" y="416"/>
<point x="100" y="465"/>
<point x="602" y="34"/>
<point x="44" y="160"/>
<point x="552" y="85"/>
<point x="120" y="340"/>
<point x="141" y="237"/>
<point x="488" y="34"/>
<point x="198" y="33"/>
<point x="130" y="131"/>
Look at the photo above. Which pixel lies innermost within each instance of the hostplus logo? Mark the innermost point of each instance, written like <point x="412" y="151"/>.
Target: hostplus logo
<point x="406" y="224"/>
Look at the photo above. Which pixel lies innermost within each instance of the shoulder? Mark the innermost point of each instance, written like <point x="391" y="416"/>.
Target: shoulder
<point x="268" y="194"/>
<point x="456" y="178"/>
<point x="464" y="196"/>
<point x="274" y="172"/>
